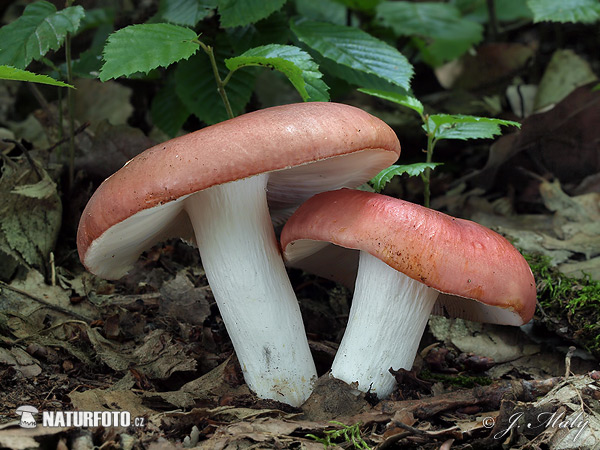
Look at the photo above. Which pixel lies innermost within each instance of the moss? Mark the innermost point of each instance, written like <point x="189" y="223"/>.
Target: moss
<point x="569" y="306"/>
<point x="455" y="380"/>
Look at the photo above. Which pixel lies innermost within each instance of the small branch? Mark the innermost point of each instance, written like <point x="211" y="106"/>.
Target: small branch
<point x="493" y="20"/>
<point x="79" y="130"/>
<point x="220" y="83"/>
<point x="44" y="302"/>
<point x="27" y="155"/>
<point x="71" y="107"/>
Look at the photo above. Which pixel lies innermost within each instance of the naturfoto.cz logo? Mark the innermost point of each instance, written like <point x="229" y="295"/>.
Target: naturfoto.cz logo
<point x="83" y="419"/>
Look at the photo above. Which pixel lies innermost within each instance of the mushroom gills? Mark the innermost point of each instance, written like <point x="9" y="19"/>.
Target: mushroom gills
<point x="388" y="316"/>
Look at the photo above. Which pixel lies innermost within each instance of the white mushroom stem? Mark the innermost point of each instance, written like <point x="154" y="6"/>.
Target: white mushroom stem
<point x="247" y="276"/>
<point x="387" y="319"/>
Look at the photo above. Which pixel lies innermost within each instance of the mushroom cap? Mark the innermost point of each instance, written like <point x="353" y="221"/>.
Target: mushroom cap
<point x="456" y="257"/>
<point x="26" y="408"/>
<point x="345" y="145"/>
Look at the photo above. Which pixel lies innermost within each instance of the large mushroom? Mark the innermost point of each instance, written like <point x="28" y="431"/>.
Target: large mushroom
<point x="403" y="257"/>
<point x="216" y="187"/>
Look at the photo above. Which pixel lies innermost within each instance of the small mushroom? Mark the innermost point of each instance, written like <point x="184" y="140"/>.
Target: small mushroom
<point x="26" y="412"/>
<point x="217" y="187"/>
<point x="404" y="261"/>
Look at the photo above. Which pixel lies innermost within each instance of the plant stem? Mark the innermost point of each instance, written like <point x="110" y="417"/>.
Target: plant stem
<point x="426" y="176"/>
<point x="71" y="107"/>
<point x="220" y="83"/>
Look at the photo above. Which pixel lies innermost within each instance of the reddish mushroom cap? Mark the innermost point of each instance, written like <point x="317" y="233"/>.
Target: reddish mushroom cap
<point x="453" y="256"/>
<point x="269" y="140"/>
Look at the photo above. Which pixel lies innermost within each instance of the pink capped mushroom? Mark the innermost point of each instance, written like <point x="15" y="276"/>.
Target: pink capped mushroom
<point x="404" y="261"/>
<point x="219" y="187"/>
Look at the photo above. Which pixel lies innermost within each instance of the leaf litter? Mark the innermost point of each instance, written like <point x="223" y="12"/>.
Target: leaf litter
<point x="153" y="343"/>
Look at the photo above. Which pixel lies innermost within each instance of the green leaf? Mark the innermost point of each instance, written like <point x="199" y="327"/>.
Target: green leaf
<point x="446" y="34"/>
<point x="10" y="73"/>
<point x="587" y="11"/>
<point x="447" y="126"/>
<point x="141" y="48"/>
<point x="434" y="20"/>
<point x="405" y="100"/>
<point x="39" y="29"/>
<point x="361" y="5"/>
<point x="185" y="12"/>
<point x="195" y="86"/>
<point x="272" y="30"/>
<point x="356" y="50"/>
<point x="382" y="178"/>
<point x="506" y="10"/>
<point x="235" y="13"/>
<point x="168" y="112"/>
<point x="322" y="10"/>
<point x="295" y="64"/>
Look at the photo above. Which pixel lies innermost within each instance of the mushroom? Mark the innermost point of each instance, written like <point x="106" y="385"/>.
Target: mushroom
<point x="215" y="187"/>
<point x="407" y="256"/>
<point x="26" y="412"/>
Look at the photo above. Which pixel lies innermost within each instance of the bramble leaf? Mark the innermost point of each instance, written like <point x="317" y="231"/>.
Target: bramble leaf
<point x="379" y="181"/>
<point x="141" y="48"/>
<point x="586" y="11"/>
<point x="39" y="29"/>
<point x="355" y="50"/>
<point x="405" y="100"/>
<point x="295" y="64"/>
<point x="235" y="13"/>
<point x="448" y="126"/>
<point x="10" y="73"/>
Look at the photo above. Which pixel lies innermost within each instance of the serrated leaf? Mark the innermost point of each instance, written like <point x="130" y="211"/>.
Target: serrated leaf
<point x="196" y="88"/>
<point x="272" y="30"/>
<point x="168" y="112"/>
<point x="361" y="5"/>
<point x="506" y="10"/>
<point x="448" y="126"/>
<point x="322" y="10"/>
<point x="356" y="50"/>
<point x="141" y="48"/>
<point x="434" y="20"/>
<point x="405" y="100"/>
<point x="41" y="28"/>
<point x="235" y="13"/>
<point x="185" y="12"/>
<point x="446" y="34"/>
<point x="10" y="73"/>
<point x="587" y="11"/>
<point x="295" y="64"/>
<point x="382" y="178"/>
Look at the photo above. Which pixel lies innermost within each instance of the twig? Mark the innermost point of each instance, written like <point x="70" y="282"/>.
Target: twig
<point x="79" y="129"/>
<point x="568" y="361"/>
<point x="44" y="302"/>
<point x="27" y="155"/>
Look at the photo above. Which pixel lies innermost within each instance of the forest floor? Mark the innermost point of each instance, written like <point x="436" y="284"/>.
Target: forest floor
<point x="153" y="343"/>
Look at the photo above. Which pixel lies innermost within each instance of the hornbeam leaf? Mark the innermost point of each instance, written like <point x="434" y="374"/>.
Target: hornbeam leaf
<point x="586" y="11"/>
<point x="41" y="28"/>
<point x="405" y="100"/>
<point x="10" y="73"/>
<point x="448" y="126"/>
<point x="141" y="48"/>
<point x="355" y="51"/>
<point x="295" y="64"/>
<point x="235" y="13"/>
<point x="382" y="178"/>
